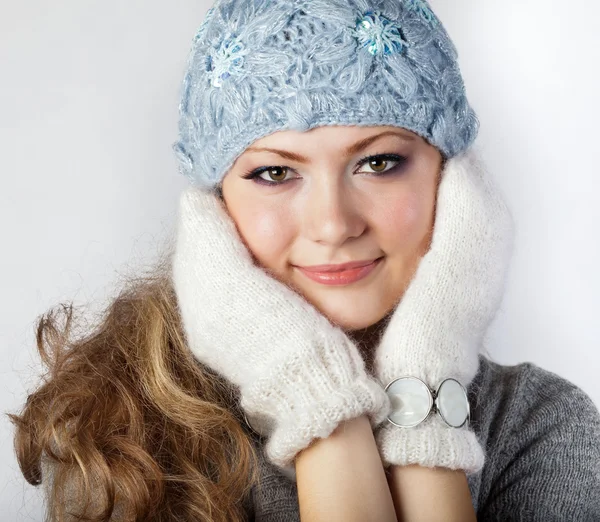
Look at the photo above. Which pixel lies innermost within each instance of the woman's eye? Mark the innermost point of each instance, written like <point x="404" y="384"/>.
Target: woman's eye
<point x="378" y="165"/>
<point x="382" y="163"/>
<point x="274" y="173"/>
<point x="268" y="175"/>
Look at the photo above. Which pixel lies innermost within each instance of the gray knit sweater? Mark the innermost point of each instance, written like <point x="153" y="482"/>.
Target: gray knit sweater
<point x="541" y="434"/>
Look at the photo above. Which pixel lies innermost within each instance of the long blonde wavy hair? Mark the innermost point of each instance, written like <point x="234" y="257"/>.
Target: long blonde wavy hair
<point x="126" y="424"/>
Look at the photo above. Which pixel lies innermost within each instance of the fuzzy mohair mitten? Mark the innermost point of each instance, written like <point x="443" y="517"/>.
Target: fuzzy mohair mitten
<point x="298" y="374"/>
<point x="437" y="328"/>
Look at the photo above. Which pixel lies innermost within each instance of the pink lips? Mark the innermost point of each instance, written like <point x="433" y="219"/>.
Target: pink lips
<point x="338" y="268"/>
<point x="343" y="274"/>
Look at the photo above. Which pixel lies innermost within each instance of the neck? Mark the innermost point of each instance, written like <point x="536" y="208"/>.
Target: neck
<point x="367" y="339"/>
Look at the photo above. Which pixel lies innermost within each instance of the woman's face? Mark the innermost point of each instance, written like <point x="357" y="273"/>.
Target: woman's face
<point x="333" y="195"/>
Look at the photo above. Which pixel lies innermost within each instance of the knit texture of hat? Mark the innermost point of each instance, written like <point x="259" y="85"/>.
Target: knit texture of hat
<point x="261" y="66"/>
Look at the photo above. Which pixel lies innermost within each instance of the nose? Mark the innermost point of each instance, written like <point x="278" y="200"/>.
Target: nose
<point x="332" y="214"/>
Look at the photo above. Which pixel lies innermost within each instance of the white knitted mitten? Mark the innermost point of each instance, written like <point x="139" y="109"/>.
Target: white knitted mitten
<point x="436" y="330"/>
<point x="295" y="370"/>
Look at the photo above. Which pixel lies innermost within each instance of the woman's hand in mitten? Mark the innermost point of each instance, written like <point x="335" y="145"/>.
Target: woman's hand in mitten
<point x="437" y="329"/>
<point x="292" y="366"/>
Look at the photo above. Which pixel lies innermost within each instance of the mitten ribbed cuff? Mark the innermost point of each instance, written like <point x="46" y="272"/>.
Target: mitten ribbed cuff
<point x="430" y="444"/>
<point x="311" y="394"/>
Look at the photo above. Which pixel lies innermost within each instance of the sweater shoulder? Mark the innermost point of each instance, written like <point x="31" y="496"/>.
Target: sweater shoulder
<point x="541" y="435"/>
<point x="508" y="395"/>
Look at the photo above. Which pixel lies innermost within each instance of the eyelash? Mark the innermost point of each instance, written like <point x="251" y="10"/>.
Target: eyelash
<point x="401" y="161"/>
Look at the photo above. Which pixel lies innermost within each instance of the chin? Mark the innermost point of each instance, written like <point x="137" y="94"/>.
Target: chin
<point x="353" y="322"/>
<point x="349" y="311"/>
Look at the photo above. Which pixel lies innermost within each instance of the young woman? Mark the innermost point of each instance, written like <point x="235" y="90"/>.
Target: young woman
<point x="311" y="347"/>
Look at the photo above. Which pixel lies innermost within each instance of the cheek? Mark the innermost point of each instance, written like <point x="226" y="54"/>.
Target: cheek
<point x="404" y="221"/>
<point x="267" y="232"/>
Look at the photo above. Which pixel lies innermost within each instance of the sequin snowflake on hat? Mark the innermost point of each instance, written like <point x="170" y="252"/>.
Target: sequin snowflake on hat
<point x="227" y="60"/>
<point x="379" y="35"/>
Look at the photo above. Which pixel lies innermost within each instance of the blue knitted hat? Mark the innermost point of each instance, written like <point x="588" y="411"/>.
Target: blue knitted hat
<point x="261" y="66"/>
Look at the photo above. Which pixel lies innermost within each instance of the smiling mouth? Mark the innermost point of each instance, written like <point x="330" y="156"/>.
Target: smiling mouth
<point x="339" y="267"/>
<point x="341" y="277"/>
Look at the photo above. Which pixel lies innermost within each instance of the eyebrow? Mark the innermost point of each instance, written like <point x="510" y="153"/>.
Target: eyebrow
<point x="352" y="149"/>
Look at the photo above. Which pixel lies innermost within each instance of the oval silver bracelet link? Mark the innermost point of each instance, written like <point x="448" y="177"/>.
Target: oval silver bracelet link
<point x="413" y="401"/>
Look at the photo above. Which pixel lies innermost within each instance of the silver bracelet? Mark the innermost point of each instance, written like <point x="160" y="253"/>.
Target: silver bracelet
<point x="413" y="401"/>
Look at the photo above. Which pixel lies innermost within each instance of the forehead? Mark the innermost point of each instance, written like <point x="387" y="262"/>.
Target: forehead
<point x="339" y="133"/>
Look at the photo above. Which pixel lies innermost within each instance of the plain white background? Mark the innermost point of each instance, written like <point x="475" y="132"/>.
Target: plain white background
<point x="88" y="111"/>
